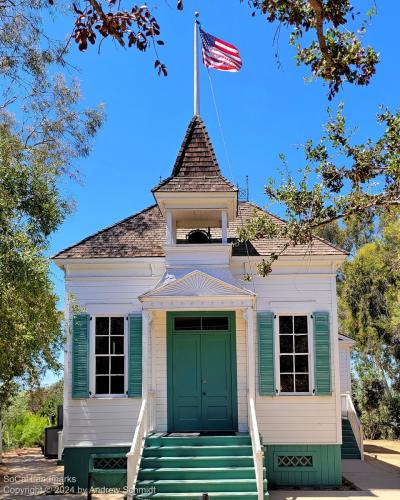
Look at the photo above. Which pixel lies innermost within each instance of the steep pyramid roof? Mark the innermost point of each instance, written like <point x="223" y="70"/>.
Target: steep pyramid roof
<point x="196" y="168"/>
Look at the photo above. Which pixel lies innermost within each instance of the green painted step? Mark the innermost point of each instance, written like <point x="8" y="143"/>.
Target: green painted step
<point x="188" y="451"/>
<point x="191" y="462"/>
<point x="249" y="495"/>
<point x="162" y="440"/>
<point x="197" y="485"/>
<point x="184" y="467"/>
<point x="349" y="448"/>
<point x="197" y="473"/>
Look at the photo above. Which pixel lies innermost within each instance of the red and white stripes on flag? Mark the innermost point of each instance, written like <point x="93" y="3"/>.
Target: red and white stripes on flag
<point x="218" y="54"/>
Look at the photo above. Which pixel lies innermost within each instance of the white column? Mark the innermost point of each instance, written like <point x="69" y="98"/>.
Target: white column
<point x="170" y="228"/>
<point x="146" y="359"/>
<point x="224" y="226"/>
<point x="251" y="354"/>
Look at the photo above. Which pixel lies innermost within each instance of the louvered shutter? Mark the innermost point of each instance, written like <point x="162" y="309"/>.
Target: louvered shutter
<point x="266" y="357"/>
<point x="322" y="353"/>
<point x="135" y="355"/>
<point x="80" y="356"/>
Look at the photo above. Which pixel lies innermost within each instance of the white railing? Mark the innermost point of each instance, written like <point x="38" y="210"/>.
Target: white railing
<point x="349" y="412"/>
<point x="258" y="455"/>
<point x="135" y="454"/>
<point x="60" y="444"/>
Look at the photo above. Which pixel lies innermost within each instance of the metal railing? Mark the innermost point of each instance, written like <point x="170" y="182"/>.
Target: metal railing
<point x="135" y="454"/>
<point x="350" y="413"/>
<point x="258" y="455"/>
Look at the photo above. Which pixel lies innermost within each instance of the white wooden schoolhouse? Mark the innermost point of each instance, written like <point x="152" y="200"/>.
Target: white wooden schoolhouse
<point x="182" y="378"/>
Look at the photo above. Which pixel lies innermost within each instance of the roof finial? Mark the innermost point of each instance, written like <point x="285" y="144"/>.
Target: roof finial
<point x="196" y="67"/>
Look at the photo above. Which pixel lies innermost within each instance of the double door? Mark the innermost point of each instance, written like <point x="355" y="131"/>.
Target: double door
<point x="202" y="383"/>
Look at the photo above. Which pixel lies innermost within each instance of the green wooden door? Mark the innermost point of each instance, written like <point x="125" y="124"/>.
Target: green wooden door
<point x="186" y="379"/>
<point x="202" y="380"/>
<point x="216" y="382"/>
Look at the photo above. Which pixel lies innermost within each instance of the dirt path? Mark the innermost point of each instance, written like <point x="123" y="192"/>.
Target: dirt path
<point x="384" y="451"/>
<point x="26" y="473"/>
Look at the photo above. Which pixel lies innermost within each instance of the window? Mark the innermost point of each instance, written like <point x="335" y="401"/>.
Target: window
<point x="183" y="323"/>
<point x="110" y="355"/>
<point x="294" y="358"/>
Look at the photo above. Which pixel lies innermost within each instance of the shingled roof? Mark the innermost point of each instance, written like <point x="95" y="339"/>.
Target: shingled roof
<point x="196" y="168"/>
<point x="143" y="235"/>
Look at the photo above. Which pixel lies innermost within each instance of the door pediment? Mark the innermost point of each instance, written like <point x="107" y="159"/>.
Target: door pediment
<point x="196" y="284"/>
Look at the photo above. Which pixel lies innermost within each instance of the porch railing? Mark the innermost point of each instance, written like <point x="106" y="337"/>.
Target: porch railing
<point x="350" y="413"/>
<point x="135" y="454"/>
<point x="60" y="444"/>
<point x="258" y="455"/>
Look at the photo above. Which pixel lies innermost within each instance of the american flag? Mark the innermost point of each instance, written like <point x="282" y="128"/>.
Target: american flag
<point x="218" y="54"/>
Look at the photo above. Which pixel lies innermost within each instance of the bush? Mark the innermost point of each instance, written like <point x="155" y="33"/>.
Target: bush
<point x="28" y="431"/>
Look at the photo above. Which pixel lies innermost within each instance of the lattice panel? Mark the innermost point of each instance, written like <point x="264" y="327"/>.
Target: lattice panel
<point x="110" y="463"/>
<point x="295" y="461"/>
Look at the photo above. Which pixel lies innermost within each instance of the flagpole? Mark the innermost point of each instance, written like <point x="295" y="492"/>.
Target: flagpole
<point x="196" y="79"/>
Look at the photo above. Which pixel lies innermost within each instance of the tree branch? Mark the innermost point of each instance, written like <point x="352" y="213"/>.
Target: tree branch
<point x="316" y="6"/>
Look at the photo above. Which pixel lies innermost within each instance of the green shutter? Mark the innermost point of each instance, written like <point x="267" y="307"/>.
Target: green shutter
<point x="135" y="355"/>
<point x="80" y="356"/>
<point x="266" y="358"/>
<point x="322" y="353"/>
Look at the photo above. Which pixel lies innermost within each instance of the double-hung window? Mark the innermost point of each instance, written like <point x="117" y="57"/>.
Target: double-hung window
<point x="294" y="355"/>
<point x="109" y="355"/>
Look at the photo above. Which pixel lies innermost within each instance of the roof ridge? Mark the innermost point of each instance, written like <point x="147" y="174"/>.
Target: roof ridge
<point x="263" y="210"/>
<point x="103" y="230"/>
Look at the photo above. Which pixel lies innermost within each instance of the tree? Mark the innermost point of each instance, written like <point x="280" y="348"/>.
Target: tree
<point x="45" y="400"/>
<point x="369" y="312"/>
<point x="343" y="184"/>
<point x="369" y="398"/>
<point x="28" y="413"/>
<point x="43" y="134"/>
<point x="335" y="54"/>
<point x="354" y="232"/>
<point x="369" y="300"/>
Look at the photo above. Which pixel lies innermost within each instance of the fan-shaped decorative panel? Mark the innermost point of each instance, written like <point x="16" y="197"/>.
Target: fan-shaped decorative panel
<point x="197" y="284"/>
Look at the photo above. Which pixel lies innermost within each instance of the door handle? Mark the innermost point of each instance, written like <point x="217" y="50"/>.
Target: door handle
<point x="204" y="394"/>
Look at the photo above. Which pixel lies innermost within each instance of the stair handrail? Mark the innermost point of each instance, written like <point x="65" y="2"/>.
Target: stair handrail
<point x="350" y="411"/>
<point x="60" y="446"/>
<point x="258" y="454"/>
<point x="135" y="454"/>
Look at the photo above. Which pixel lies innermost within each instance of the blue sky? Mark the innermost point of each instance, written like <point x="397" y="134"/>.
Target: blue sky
<point x="265" y="109"/>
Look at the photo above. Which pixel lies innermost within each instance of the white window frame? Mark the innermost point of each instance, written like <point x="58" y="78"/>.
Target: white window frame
<point x="92" y="364"/>
<point x="310" y="336"/>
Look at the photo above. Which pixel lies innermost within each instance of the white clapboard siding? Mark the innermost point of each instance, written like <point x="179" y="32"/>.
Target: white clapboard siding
<point x="98" y="421"/>
<point x="297" y="419"/>
<point x="101" y="422"/>
<point x="282" y="420"/>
